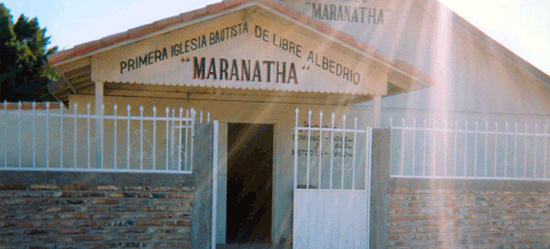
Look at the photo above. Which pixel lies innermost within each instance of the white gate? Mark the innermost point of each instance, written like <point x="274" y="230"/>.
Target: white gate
<point x="332" y="165"/>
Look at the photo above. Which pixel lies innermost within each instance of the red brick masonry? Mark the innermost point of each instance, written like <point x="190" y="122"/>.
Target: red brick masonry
<point x="447" y="218"/>
<point x="78" y="216"/>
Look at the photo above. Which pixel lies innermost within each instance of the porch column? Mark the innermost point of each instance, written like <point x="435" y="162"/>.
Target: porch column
<point x="99" y="124"/>
<point x="98" y="97"/>
<point x="376" y="110"/>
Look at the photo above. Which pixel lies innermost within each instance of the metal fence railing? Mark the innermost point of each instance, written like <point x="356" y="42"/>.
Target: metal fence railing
<point x="332" y="156"/>
<point x="128" y="140"/>
<point x="469" y="150"/>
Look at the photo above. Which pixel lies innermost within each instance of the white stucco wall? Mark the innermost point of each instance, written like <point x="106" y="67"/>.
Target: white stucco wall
<point x="470" y="74"/>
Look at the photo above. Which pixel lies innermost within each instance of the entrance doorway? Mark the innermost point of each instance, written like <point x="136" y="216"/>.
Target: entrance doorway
<point x="249" y="183"/>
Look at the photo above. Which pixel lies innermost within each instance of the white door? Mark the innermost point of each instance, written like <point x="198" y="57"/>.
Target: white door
<point x="331" y="183"/>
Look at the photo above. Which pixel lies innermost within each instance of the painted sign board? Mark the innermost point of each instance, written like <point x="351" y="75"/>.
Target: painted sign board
<point x="243" y="53"/>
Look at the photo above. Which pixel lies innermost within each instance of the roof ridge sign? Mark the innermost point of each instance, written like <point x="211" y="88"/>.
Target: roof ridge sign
<point x="258" y="51"/>
<point x="347" y="11"/>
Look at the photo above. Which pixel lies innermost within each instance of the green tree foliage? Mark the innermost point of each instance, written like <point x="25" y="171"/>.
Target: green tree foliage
<point x="24" y="69"/>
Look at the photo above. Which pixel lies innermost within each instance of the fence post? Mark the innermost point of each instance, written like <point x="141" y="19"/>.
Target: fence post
<point x="98" y="124"/>
<point x="214" y="179"/>
<point x="203" y="151"/>
<point x="19" y="134"/>
<point x="380" y="167"/>
<point x="5" y="140"/>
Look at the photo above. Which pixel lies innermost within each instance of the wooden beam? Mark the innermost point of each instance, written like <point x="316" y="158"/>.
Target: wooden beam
<point x="400" y="80"/>
<point x="79" y="82"/>
<point x="223" y="97"/>
<point x="85" y="62"/>
<point x="73" y="89"/>
<point x="78" y="72"/>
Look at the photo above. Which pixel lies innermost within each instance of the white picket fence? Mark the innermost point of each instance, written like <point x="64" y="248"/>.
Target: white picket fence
<point x="469" y="150"/>
<point x="128" y="140"/>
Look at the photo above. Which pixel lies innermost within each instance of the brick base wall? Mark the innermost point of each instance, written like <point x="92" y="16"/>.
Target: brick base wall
<point x="448" y="218"/>
<point x="76" y="216"/>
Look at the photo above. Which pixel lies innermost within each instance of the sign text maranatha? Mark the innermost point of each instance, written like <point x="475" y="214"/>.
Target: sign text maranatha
<point x="346" y="12"/>
<point x="244" y="70"/>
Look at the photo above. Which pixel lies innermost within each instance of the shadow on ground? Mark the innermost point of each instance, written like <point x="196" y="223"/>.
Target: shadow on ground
<point x="254" y="246"/>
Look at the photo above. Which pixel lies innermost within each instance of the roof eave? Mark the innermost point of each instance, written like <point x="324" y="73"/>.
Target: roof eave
<point x="215" y="10"/>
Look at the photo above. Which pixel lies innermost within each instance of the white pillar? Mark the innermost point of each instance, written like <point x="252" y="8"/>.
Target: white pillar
<point x="99" y="124"/>
<point x="98" y="97"/>
<point x="376" y="110"/>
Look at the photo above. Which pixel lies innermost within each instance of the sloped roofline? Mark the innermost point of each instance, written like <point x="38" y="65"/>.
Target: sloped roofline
<point x="144" y="31"/>
<point x="504" y="51"/>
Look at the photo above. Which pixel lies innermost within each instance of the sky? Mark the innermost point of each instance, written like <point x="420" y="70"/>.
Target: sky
<point x="523" y="26"/>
